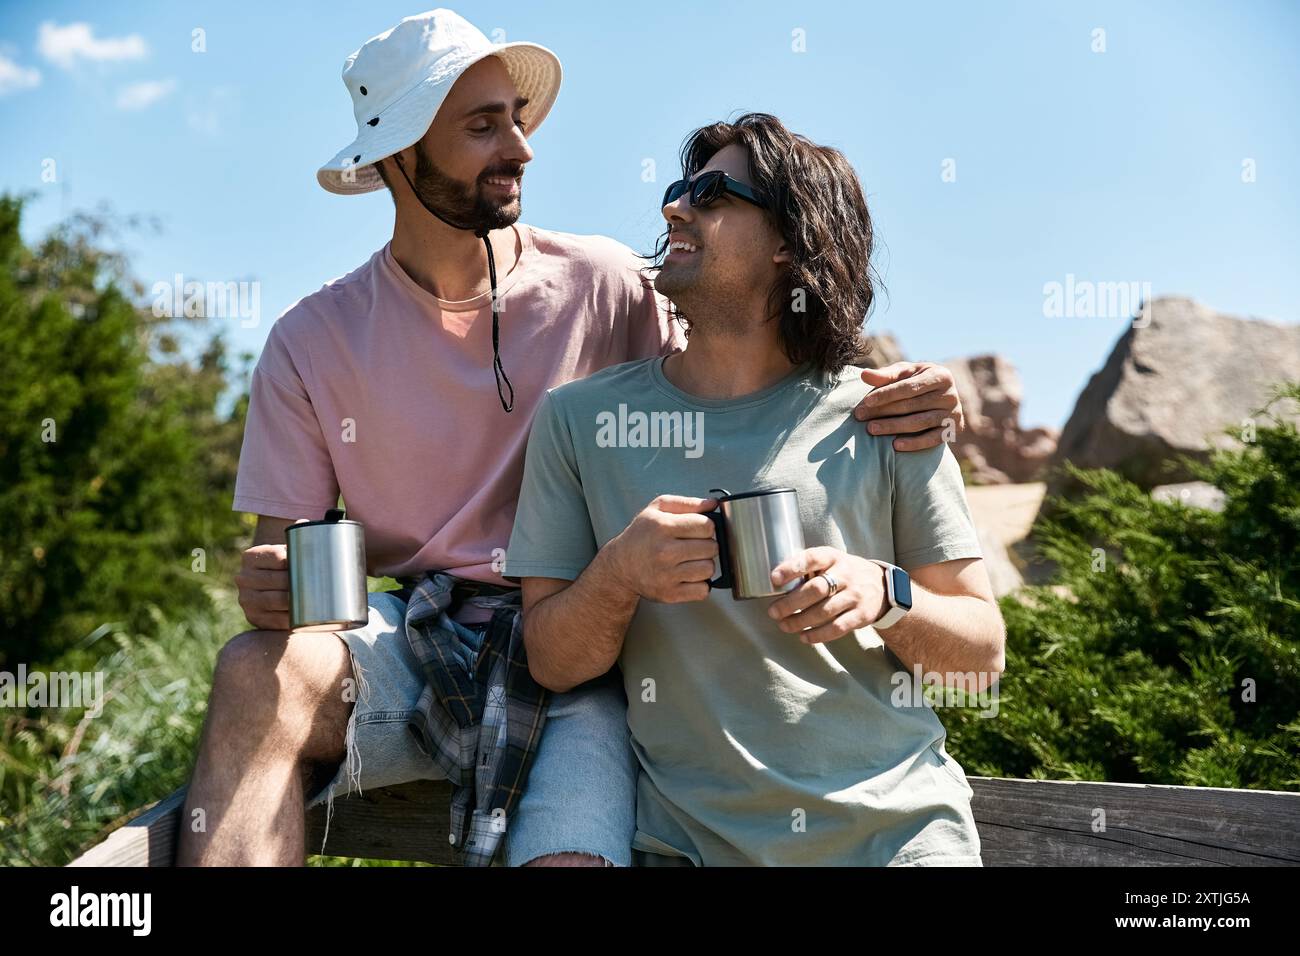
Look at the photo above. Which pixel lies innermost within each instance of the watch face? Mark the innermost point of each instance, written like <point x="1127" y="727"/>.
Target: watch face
<point x="902" y="588"/>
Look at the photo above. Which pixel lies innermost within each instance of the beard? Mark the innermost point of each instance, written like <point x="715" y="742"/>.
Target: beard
<point x="676" y="280"/>
<point x="704" y="298"/>
<point x="464" y="206"/>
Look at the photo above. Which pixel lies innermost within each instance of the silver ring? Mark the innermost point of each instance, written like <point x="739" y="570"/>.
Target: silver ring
<point x="830" y="582"/>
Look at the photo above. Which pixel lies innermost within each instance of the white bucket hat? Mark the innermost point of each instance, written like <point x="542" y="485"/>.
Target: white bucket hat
<point x="399" y="79"/>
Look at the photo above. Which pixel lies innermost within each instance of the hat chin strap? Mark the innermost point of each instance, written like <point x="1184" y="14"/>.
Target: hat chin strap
<point x="481" y="232"/>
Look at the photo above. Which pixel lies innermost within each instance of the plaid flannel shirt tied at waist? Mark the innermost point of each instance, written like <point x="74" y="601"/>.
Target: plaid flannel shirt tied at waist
<point x="480" y="726"/>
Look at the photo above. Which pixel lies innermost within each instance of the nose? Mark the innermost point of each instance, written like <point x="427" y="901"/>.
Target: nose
<point x="518" y="150"/>
<point x="679" y="210"/>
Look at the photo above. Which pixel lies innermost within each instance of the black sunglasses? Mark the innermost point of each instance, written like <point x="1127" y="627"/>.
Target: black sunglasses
<point x="710" y="186"/>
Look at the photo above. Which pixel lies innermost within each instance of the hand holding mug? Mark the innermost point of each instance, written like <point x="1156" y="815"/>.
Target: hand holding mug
<point x="263" y="585"/>
<point x="842" y="593"/>
<point x="666" y="553"/>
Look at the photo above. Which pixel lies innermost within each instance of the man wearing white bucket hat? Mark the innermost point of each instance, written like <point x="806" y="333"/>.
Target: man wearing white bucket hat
<point x="377" y="387"/>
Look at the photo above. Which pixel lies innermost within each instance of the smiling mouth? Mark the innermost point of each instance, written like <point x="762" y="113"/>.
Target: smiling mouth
<point x="509" y="183"/>
<point x="682" y="247"/>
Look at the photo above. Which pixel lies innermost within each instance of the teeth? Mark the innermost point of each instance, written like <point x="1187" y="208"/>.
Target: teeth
<point x="498" y="181"/>
<point x="682" y="246"/>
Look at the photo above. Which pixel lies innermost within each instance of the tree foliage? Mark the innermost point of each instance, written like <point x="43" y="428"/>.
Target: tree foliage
<point x="115" y="460"/>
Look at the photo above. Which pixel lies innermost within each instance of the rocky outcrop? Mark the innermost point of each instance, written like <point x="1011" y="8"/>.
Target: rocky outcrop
<point x="993" y="446"/>
<point x="1177" y="377"/>
<point x="1003" y="516"/>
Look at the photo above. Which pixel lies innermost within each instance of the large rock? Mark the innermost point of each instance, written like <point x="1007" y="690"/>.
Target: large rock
<point x="1177" y="377"/>
<point x="994" y="447"/>
<point x="1003" y="517"/>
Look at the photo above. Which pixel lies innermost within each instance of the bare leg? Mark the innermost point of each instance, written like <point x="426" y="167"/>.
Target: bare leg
<point x="276" y="713"/>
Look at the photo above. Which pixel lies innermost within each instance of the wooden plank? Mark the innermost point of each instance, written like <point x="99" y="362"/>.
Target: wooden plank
<point x="1050" y="823"/>
<point x="406" y="822"/>
<point x="147" y="840"/>
<point x="1021" y="823"/>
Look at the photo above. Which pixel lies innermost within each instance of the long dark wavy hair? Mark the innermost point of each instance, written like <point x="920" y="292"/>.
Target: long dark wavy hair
<point x="816" y="204"/>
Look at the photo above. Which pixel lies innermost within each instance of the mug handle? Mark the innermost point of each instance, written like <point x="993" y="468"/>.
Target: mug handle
<point x="723" y="581"/>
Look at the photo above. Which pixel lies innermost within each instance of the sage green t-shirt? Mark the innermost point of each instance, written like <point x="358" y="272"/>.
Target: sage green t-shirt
<point x="754" y="747"/>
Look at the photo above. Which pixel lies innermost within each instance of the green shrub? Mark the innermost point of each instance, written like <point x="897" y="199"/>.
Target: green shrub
<point x="100" y="522"/>
<point x="1139" y="661"/>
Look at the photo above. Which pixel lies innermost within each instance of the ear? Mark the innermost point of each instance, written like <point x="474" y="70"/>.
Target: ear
<point x="783" y="255"/>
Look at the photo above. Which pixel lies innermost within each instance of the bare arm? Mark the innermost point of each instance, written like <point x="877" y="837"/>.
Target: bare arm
<point x="954" y="626"/>
<point x="574" y="631"/>
<point x="270" y="530"/>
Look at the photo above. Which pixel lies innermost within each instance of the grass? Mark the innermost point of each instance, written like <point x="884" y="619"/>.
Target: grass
<point x="67" y="780"/>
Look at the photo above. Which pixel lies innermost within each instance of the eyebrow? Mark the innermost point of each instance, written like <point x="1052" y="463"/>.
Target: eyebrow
<point x="497" y="107"/>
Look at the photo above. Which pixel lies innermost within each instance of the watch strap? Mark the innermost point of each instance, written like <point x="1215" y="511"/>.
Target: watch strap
<point x="892" y="616"/>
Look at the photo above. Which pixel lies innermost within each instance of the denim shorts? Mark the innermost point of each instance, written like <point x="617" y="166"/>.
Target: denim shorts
<point x="581" y="793"/>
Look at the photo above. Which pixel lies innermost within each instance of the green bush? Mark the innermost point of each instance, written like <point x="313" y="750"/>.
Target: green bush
<point x="100" y="522"/>
<point x="1139" y="661"/>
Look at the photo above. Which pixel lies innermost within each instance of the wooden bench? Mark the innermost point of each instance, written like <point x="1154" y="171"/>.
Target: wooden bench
<point x="1021" y="823"/>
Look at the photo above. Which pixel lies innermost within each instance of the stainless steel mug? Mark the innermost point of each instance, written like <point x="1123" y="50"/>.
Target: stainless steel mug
<point x="327" y="574"/>
<point x="757" y="530"/>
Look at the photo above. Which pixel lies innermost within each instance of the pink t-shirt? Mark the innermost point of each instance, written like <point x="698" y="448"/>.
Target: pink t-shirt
<point x="376" y="389"/>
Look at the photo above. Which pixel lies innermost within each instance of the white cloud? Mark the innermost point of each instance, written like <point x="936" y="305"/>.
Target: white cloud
<point x="139" y="95"/>
<point x="14" y="77"/>
<point x="63" y="46"/>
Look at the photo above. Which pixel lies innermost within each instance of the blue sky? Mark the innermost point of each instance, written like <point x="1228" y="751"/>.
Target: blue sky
<point x="1122" y="165"/>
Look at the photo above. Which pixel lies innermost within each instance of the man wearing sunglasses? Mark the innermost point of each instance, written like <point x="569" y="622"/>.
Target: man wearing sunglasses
<point x="408" y="386"/>
<point x="770" y="730"/>
<point x="706" y="187"/>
